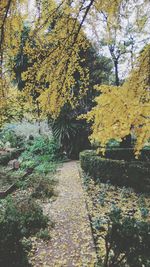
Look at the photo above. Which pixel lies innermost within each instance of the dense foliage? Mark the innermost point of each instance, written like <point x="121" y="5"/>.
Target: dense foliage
<point x="132" y="173"/>
<point x="8" y="138"/>
<point x="131" y="105"/>
<point x="41" y="154"/>
<point x="53" y="48"/>
<point x="120" y="224"/>
<point x="17" y="220"/>
<point x="127" y="240"/>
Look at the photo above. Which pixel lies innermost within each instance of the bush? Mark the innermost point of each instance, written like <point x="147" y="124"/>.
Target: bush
<point x="31" y="216"/>
<point x="126" y="154"/>
<point x="8" y="135"/>
<point x="134" y="174"/>
<point x="44" y="188"/>
<point x="44" y="146"/>
<point x="41" y="154"/>
<point x="127" y="240"/>
<point x="17" y="220"/>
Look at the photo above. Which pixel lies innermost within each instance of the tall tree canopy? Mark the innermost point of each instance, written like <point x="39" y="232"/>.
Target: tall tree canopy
<point x="57" y="32"/>
<point x="125" y="109"/>
<point x="53" y="47"/>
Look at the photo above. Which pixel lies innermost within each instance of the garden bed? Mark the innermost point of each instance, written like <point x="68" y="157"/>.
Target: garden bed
<point x="125" y="239"/>
<point x="8" y="180"/>
<point x="9" y="154"/>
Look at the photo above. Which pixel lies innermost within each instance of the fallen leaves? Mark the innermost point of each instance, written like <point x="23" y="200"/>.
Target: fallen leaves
<point x="71" y="241"/>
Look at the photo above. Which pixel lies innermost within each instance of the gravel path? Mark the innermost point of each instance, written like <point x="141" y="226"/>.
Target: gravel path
<point x="71" y="243"/>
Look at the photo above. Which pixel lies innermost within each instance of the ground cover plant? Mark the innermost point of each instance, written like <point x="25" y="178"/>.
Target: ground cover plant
<point x="21" y="215"/>
<point x="120" y="220"/>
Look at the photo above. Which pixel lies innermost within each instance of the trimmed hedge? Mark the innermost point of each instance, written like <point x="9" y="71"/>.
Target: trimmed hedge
<point x="132" y="173"/>
<point x="4" y="159"/>
<point x="126" y="154"/>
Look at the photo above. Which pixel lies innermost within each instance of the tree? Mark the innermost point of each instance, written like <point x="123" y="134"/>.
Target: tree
<point x="72" y="133"/>
<point x="57" y="58"/>
<point x="14" y="107"/>
<point x="126" y="109"/>
<point x="57" y="63"/>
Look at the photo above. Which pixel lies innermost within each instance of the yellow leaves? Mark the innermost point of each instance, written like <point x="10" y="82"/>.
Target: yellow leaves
<point x="13" y="105"/>
<point x="53" y="49"/>
<point x="71" y="241"/>
<point x="123" y="110"/>
<point x="55" y="67"/>
<point x="110" y="195"/>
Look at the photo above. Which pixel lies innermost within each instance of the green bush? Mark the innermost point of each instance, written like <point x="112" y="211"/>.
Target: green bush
<point x="41" y="154"/>
<point x="44" y="234"/>
<point x="9" y="135"/>
<point x="44" y="188"/>
<point x="44" y="146"/>
<point x="31" y="216"/>
<point x="127" y="240"/>
<point x="126" y="154"/>
<point x="17" y="220"/>
<point x="134" y="174"/>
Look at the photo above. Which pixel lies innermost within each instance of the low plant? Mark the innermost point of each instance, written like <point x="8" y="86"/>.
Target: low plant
<point x="101" y="198"/>
<point x="31" y="216"/>
<point x="127" y="240"/>
<point x="18" y="219"/>
<point x="41" y="154"/>
<point x="8" y="137"/>
<point x="44" y="187"/>
<point x="44" y="234"/>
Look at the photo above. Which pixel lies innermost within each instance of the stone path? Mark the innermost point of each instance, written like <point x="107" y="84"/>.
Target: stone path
<point x="71" y="243"/>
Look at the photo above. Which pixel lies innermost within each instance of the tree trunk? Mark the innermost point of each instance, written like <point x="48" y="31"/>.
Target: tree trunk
<point x="116" y="73"/>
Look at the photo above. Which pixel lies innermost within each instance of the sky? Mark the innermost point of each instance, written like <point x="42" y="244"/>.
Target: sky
<point x="95" y="31"/>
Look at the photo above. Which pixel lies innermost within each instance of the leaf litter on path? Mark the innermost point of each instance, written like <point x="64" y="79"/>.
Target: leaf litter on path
<point x="71" y="242"/>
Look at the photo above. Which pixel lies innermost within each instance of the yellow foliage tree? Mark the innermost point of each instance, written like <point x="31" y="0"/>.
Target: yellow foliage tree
<point x="58" y="39"/>
<point x="122" y="110"/>
<point x="14" y="106"/>
<point x="53" y="48"/>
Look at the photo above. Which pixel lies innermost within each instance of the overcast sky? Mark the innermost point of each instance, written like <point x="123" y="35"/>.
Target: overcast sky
<point x="95" y="31"/>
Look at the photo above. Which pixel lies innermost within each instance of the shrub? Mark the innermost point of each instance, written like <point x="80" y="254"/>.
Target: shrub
<point x="8" y="135"/>
<point x="44" y="188"/>
<point x="12" y="253"/>
<point x="126" y="154"/>
<point x="127" y="240"/>
<point x="45" y="146"/>
<point x="41" y="154"/>
<point x="17" y="220"/>
<point x="44" y="234"/>
<point x="134" y="174"/>
<point x="31" y="216"/>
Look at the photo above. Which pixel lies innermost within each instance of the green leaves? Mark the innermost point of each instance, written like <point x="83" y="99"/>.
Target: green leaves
<point x="41" y="154"/>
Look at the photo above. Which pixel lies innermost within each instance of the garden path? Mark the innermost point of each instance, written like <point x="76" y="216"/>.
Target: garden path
<point x="71" y="242"/>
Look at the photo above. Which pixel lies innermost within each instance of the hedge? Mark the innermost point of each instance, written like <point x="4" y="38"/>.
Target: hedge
<point x="4" y="159"/>
<point x="127" y="154"/>
<point x="134" y="173"/>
